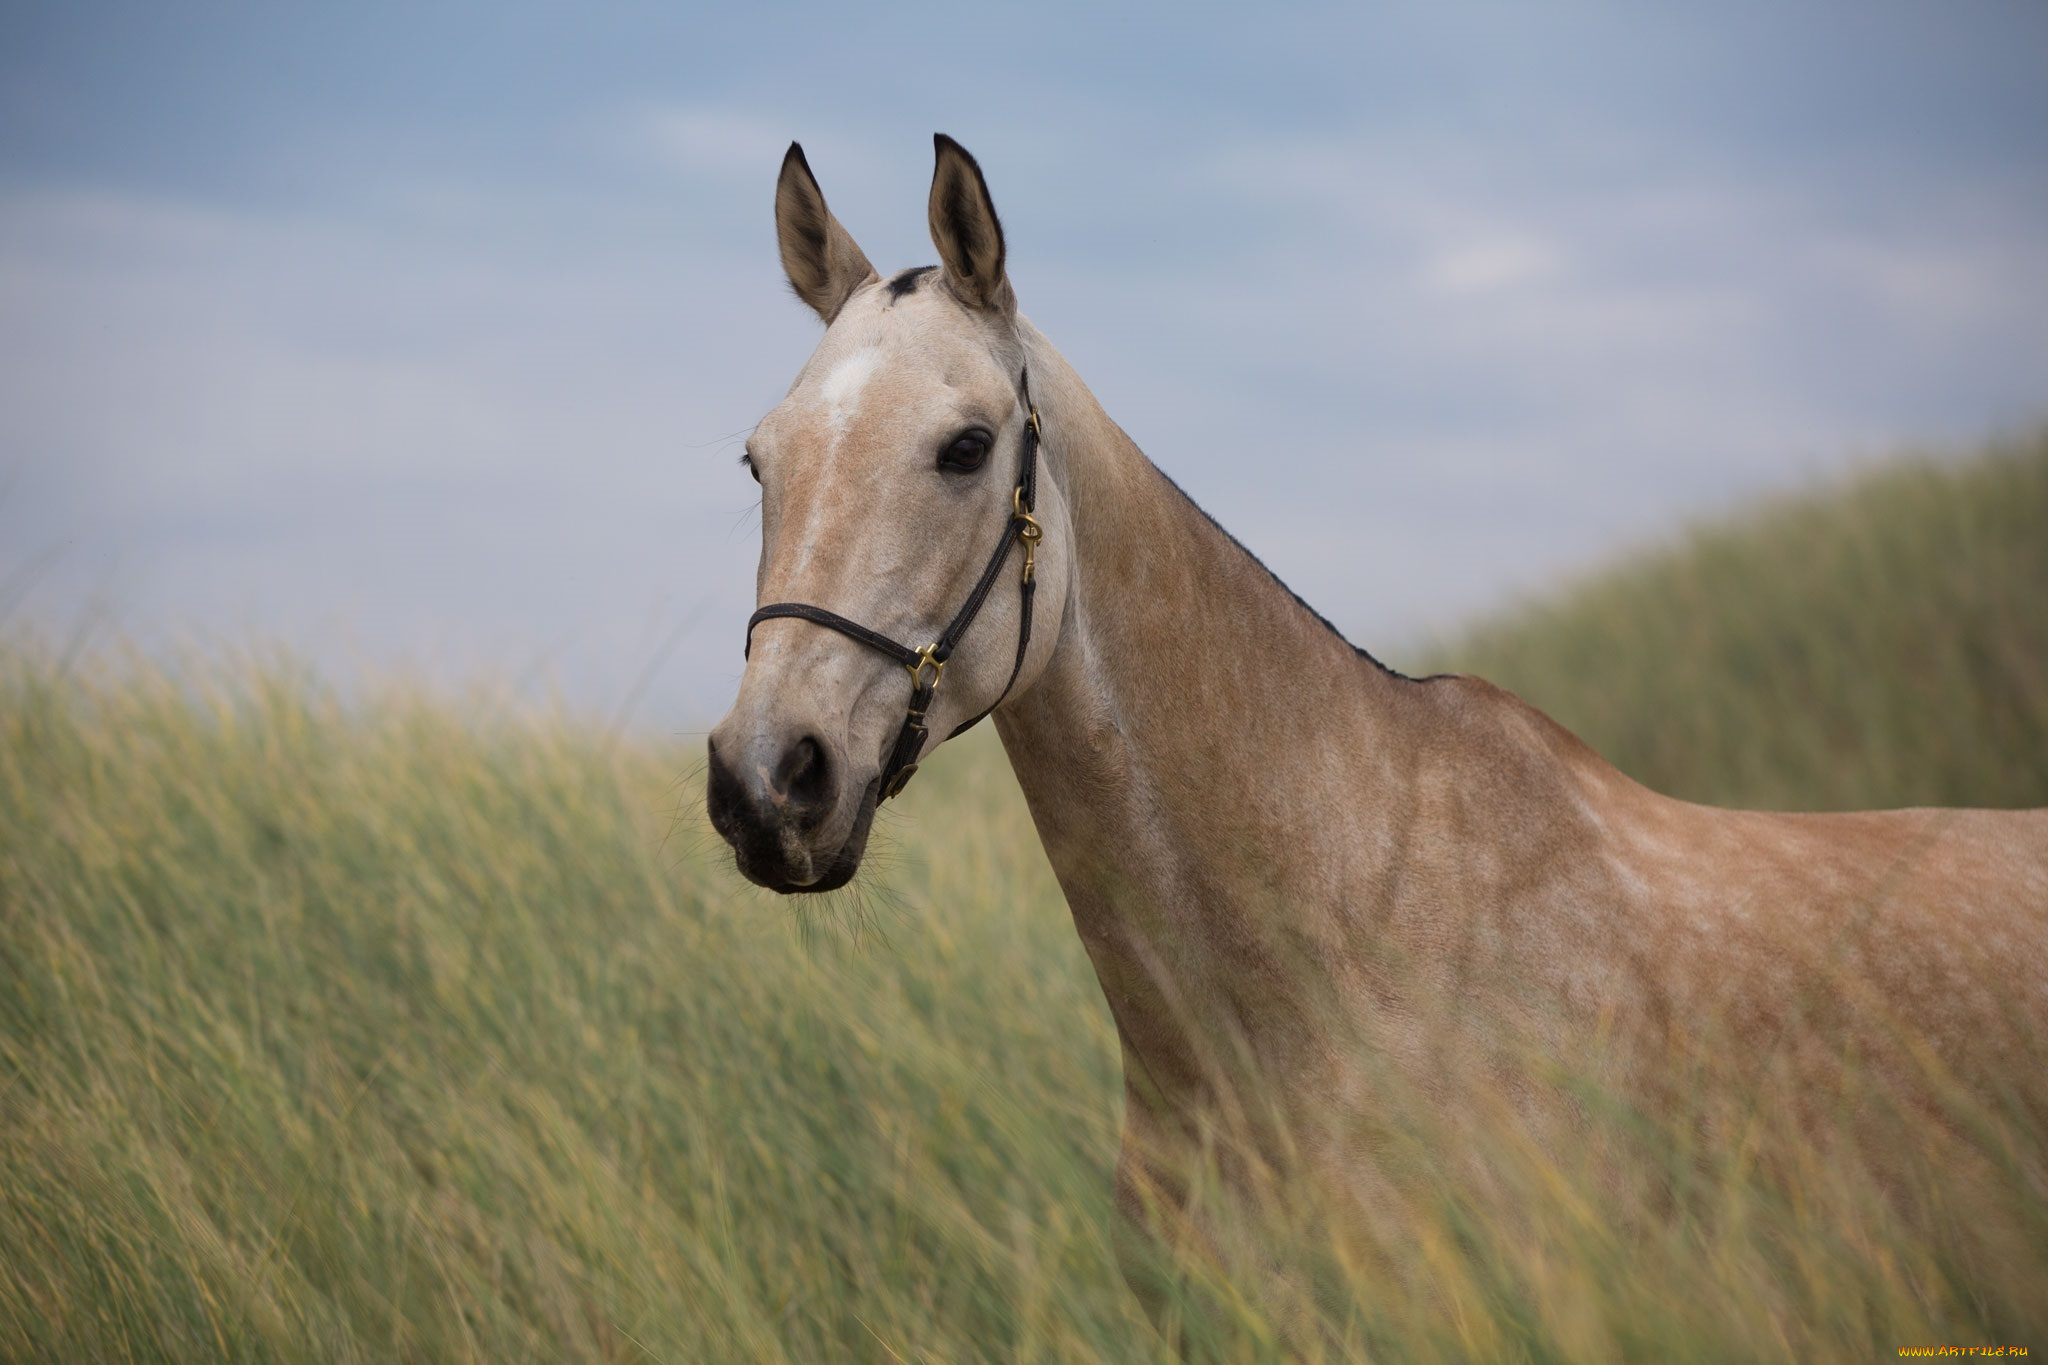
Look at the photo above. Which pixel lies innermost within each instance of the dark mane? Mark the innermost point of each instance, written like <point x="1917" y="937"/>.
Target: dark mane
<point x="1324" y="620"/>
<point x="906" y="281"/>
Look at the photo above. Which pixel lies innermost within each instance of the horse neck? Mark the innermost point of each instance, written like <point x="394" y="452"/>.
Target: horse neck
<point x="1194" y="719"/>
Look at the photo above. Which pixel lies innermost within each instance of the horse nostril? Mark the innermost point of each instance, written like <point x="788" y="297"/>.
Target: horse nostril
<point x="803" y="777"/>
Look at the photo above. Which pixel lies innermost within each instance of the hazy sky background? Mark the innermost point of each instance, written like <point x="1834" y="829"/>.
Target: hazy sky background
<point x="425" y="334"/>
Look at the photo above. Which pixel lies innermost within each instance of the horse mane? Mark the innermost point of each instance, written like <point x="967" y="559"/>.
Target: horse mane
<point x="1281" y="583"/>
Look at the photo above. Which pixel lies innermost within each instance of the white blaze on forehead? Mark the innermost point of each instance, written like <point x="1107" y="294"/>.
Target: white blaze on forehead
<point x="841" y="389"/>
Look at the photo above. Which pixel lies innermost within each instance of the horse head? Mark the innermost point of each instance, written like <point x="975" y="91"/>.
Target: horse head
<point x="912" y="541"/>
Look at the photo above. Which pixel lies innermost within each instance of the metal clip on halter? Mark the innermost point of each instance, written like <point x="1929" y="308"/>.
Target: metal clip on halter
<point x="928" y="656"/>
<point x="1028" y="529"/>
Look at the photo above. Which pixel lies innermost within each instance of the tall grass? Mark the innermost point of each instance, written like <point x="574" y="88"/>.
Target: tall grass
<point x="428" y="1029"/>
<point x="1879" y="643"/>
<point x="389" y="1032"/>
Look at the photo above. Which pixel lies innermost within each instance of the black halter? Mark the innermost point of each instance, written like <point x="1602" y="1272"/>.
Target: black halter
<point x="928" y="665"/>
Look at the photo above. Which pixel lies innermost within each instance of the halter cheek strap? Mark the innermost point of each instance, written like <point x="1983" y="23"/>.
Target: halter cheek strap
<point x="928" y="665"/>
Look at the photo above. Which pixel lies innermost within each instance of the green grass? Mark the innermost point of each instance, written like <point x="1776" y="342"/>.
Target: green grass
<point x="429" y="1029"/>
<point x="1881" y="643"/>
<point x="380" y="1032"/>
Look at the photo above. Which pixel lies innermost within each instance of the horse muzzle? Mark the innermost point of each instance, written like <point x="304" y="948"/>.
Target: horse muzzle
<point x="781" y="801"/>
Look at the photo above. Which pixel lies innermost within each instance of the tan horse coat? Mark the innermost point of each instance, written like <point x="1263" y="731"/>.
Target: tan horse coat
<point x="1277" y="852"/>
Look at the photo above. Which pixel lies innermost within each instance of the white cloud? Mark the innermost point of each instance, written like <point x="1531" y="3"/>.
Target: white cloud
<point x="1489" y="265"/>
<point x="722" y="144"/>
<point x="703" y="140"/>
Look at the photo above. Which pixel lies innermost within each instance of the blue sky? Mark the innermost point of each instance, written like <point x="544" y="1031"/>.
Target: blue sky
<point x="424" y="335"/>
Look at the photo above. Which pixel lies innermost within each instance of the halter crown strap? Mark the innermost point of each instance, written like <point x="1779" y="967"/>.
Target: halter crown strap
<point x="928" y="665"/>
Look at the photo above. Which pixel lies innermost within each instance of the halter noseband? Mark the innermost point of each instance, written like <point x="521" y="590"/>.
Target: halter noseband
<point x="928" y="665"/>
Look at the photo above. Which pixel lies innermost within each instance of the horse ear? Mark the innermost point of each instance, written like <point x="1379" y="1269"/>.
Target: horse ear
<point x="820" y="258"/>
<point x="966" y="230"/>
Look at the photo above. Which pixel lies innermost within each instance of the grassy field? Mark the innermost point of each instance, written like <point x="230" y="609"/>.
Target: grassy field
<point x="1884" y="643"/>
<point x="427" y="1029"/>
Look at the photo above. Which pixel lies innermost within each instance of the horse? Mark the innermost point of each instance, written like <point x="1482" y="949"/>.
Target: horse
<point x="1295" y="871"/>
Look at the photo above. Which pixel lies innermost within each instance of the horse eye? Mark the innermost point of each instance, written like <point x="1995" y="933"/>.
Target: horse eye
<point x="966" y="453"/>
<point x="747" y="463"/>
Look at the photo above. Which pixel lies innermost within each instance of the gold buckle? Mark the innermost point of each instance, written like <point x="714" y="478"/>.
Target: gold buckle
<point x="1032" y="422"/>
<point x="1030" y="532"/>
<point x="927" y="655"/>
